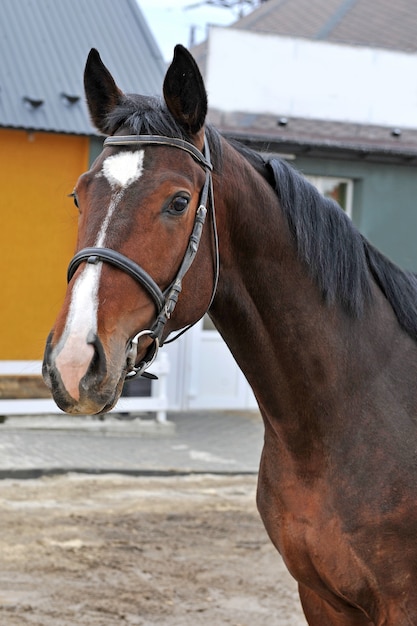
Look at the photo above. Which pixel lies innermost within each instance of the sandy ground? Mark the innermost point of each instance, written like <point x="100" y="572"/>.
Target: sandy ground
<point x="107" y="550"/>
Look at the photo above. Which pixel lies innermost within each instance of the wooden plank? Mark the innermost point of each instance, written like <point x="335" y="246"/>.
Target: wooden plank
<point x="20" y="387"/>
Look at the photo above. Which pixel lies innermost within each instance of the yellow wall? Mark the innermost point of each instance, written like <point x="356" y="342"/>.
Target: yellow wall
<point x="37" y="234"/>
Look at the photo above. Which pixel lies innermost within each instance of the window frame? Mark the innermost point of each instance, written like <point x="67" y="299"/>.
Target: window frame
<point x="318" y="181"/>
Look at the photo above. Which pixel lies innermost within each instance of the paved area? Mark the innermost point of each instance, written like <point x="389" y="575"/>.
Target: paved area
<point x="205" y="442"/>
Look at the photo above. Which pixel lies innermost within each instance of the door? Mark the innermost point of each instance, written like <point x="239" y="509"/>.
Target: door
<point x="213" y="379"/>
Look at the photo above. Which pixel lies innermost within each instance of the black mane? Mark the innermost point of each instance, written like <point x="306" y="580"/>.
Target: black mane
<point x="337" y="256"/>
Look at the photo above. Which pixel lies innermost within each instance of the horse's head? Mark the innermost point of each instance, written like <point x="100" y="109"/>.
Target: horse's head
<point x="141" y="215"/>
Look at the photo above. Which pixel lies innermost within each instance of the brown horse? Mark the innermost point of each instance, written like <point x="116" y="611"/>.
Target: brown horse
<point x="323" y="326"/>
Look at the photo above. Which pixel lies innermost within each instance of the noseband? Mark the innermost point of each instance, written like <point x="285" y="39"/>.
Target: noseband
<point x="165" y="301"/>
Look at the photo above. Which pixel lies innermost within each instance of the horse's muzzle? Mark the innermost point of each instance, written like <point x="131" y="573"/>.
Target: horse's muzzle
<point x="82" y="386"/>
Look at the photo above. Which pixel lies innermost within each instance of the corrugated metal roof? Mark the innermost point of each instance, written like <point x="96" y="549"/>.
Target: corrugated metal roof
<point x="43" y="48"/>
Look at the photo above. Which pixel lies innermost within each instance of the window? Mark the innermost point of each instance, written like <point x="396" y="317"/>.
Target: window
<point x="339" y="189"/>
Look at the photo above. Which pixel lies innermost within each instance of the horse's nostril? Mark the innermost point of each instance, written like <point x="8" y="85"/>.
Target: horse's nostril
<point x="46" y="361"/>
<point x="98" y="362"/>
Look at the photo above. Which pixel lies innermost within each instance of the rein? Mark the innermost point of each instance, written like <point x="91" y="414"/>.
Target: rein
<point x="165" y="301"/>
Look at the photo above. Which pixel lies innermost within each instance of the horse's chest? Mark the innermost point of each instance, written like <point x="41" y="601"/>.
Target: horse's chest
<point x="343" y="565"/>
<point x="311" y="540"/>
<point x="306" y="538"/>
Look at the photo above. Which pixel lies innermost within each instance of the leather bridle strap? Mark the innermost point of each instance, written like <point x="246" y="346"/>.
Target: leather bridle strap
<point x="94" y="255"/>
<point x="176" y="288"/>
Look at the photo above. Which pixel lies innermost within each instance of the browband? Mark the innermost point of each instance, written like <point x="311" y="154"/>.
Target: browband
<point x="148" y="140"/>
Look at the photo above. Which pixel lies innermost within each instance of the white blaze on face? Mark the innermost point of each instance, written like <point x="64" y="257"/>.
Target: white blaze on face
<point x="121" y="170"/>
<point x="75" y="355"/>
<point x="73" y="351"/>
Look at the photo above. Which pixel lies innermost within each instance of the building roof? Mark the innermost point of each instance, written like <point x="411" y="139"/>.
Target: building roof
<point x="369" y="23"/>
<point x="374" y="23"/>
<point x="318" y="138"/>
<point x="43" y="48"/>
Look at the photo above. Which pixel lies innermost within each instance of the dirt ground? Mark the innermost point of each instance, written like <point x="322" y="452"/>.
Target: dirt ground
<point x="107" y="550"/>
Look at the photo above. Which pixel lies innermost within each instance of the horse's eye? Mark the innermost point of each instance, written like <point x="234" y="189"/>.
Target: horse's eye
<point x="178" y="204"/>
<point x="74" y="196"/>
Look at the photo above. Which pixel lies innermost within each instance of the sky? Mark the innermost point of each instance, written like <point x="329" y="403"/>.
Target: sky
<point x="172" y="21"/>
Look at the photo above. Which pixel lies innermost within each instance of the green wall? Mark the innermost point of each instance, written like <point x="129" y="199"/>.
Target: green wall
<point x="96" y="146"/>
<point x="384" y="203"/>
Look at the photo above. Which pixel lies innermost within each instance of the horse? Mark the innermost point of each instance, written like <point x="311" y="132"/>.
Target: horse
<point x="176" y="221"/>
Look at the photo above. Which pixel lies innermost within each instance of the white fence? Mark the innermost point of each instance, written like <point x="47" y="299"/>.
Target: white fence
<point x="156" y="403"/>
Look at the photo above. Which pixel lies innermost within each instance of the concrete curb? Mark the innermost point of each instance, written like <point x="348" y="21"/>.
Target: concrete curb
<point x="111" y="424"/>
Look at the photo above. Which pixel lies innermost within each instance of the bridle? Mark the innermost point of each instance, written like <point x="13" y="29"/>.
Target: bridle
<point x="165" y="301"/>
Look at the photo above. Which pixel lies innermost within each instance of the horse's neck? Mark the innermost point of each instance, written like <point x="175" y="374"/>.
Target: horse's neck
<point x="289" y="344"/>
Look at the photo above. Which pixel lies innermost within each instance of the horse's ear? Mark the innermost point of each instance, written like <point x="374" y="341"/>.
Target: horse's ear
<point x="102" y="93"/>
<point x="184" y="91"/>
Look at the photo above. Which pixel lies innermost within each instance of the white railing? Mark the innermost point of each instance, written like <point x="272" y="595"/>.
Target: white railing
<point x="156" y="403"/>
